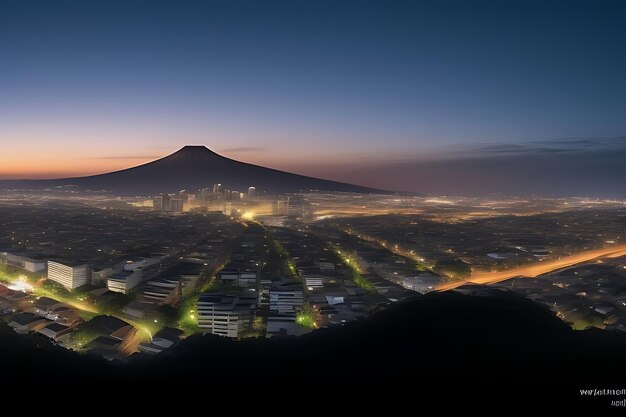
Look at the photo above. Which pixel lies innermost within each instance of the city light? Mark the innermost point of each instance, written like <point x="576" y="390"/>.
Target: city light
<point x="21" y="285"/>
<point x="248" y="215"/>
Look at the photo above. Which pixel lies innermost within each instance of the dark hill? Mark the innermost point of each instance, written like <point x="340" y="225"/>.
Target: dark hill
<point x="502" y="346"/>
<point x="192" y="168"/>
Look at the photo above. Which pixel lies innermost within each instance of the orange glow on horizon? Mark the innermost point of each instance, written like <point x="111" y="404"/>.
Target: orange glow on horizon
<point x="56" y="167"/>
<point x="50" y="162"/>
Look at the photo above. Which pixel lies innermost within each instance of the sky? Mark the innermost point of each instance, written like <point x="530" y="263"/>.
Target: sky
<point x="402" y="95"/>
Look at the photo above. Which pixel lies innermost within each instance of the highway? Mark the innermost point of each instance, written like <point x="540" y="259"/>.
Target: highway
<point x="538" y="268"/>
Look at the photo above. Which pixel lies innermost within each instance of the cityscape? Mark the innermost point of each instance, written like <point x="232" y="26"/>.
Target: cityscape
<point x="422" y="201"/>
<point x="119" y="276"/>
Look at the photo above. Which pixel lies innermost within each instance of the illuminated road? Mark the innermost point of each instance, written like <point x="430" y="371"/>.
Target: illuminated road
<point x="538" y="268"/>
<point x="76" y="304"/>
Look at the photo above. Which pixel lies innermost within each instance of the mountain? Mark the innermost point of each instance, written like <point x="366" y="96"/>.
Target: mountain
<point x="193" y="168"/>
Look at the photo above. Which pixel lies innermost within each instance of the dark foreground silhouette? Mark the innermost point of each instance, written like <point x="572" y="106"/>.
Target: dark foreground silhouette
<point x="501" y="347"/>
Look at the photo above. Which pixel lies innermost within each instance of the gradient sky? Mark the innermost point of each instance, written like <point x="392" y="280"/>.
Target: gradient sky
<point x="328" y="88"/>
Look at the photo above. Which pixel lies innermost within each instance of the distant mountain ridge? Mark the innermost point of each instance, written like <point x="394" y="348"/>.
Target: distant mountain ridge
<point x="192" y="168"/>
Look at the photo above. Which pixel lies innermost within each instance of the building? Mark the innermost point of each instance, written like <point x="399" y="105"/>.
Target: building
<point x="69" y="276"/>
<point x="99" y="276"/>
<point x="135" y="264"/>
<point x="163" y="290"/>
<point x="162" y="202"/>
<point x="162" y="340"/>
<point x="252" y="192"/>
<point x="279" y="208"/>
<point x="157" y="202"/>
<point x="176" y="205"/>
<point x="138" y="309"/>
<point x="45" y="305"/>
<point x="55" y="331"/>
<point x="22" y="262"/>
<point x="113" y="336"/>
<point x="226" y="315"/>
<point x="286" y="299"/>
<point x="217" y="188"/>
<point x="313" y="282"/>
<point x="295" y="206"/>
<point x="247" y="278"/>
<point x="229" y="274"/>
<point x="27" y="322"/>
<point x="204" y="194"/>
<point x="124" y="281"/>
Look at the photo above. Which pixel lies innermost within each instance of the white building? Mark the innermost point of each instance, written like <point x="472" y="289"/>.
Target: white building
<point x="313" y="282"/>
<point x="69" y="276"/>
<point x="295" y="206"/>
<point x="286" y="298"/>
<point x="23" y="262"/>
<point x="124" y="281"/>
<point x="285" y="301"/>
<point x="226" y="315"/>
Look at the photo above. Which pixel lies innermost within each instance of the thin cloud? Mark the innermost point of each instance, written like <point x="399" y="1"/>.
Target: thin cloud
<point x="537" y="147"/>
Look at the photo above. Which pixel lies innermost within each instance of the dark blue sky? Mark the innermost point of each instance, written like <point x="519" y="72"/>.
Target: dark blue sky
<point x="294" y="83"/>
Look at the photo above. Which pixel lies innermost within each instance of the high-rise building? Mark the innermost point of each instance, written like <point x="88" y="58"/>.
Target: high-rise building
<point x="217" y="188"/>
<point x="176" y="205"/>
<point x="69" y="276"/>
<point x="167" y="202"/>
<point x="295" y="206"/>
<point x="251" y="192"/>
<point x="279" y="208"/>
<point x="157" y="202"/>
<point x="184" y="196"/>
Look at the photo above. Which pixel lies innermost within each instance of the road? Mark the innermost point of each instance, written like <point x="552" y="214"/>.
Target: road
<point x="538" y="268"/>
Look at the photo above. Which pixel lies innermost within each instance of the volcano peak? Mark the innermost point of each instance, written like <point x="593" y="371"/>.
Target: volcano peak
<point x="193" y="153"/>
<point x="194" y="148"/>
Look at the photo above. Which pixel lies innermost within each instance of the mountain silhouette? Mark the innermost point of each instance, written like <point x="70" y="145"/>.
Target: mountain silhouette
<point x="193" y="168"/>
